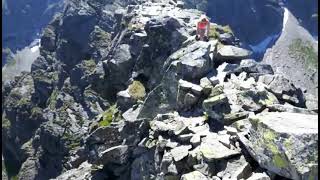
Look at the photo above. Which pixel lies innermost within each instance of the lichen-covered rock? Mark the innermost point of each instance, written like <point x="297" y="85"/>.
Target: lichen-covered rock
<point x="216" y="106"/>
<point x="285" y="143"/>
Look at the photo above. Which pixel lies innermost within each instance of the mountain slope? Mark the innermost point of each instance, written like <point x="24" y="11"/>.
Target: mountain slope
<point x="295" y="55"/>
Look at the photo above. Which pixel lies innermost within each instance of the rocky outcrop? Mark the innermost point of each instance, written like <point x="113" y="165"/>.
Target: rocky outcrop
<point x="288" y="142"/>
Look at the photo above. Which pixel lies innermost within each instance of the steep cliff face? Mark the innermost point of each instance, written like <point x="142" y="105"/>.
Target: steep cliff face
<point x="122" y="90"/>
<point x="22" y="21"/>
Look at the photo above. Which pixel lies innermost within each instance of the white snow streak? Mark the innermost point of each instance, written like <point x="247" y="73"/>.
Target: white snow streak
<point x="285" y="18"/>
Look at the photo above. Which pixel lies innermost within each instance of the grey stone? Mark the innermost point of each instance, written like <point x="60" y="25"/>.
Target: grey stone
<point x="214" y="150"/>
<point x="167" y="160"/>
<point x="180" y="152"/>
<point x="195" y="140"/>
<point x="229" y="52"/>
<point x="237" y="168"/>
<point x="206" y="84"/>
<point x="83" y="172"/>
<point x="280" y="86"/>
<point x="259" y="176"/>
<point x="185" y="137"/>
<point x="214" y="80"/>
<point x="285" y="143"/>
<point x="124" y="100"/>
<point x="225" y="140"/>
<point x="117" y="155"/>
<point x="195" y="175"/>
<point x="289" y="108"/>
<point x="190" y="99"/>
<point x="233" y="117"/>
<point x="132" y="113"/>
<point x="171" y="144"/>
<point x="142" y="167"/>
<point x="216" y="106"/>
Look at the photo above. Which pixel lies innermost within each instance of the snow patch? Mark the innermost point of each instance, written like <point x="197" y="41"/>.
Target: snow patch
<point x="22" y="61"/>
<point x="35" y="45"/>
<point x="285" y="18"/>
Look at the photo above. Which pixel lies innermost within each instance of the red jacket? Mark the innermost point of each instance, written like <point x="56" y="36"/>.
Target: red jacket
<point x="202" y="25"/>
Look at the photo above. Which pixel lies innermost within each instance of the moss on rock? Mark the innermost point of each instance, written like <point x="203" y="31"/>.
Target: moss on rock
<point x="279" y="162"/>
<point x="90" y="65"/>
<point x="6" y="124"/>
<point x="227" y="29"/>
<point x="108" y="116"/>
<point x="53" y="99"/>
<point x="213" y="33"/>
<point x="137" y="90"/>
<point x="304" y="51"/>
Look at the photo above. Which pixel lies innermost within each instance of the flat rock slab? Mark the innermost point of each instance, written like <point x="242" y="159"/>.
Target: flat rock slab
<point x="229" y="52"/>
<point x="214" y="150"/>
<point x="285" y="143"/>
<point x="178" y="153"/>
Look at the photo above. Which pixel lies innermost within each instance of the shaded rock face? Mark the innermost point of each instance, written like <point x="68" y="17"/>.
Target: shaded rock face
<point x="247" y="17"/>
<point x="22" y="21"/>
<point x="132" y="95"/>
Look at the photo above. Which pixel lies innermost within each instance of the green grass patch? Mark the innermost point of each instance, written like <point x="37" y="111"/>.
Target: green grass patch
<point x="137" y="90"/>
<point x="90" y="64"/>
<point x="23" y="101"/>
<point x="52" y="101"/>
<point x="36" y="111"/>
<point x="6" y="124"/>
<point x="108" y="116"/>
<point x="227" y="29"/>
<point x="213" y="33"/>
<point x="136" y="26"/>
<point x="304" y="51"/>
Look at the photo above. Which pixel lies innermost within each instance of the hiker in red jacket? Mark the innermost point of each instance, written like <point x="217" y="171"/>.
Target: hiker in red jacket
<point x="203" y="27"/>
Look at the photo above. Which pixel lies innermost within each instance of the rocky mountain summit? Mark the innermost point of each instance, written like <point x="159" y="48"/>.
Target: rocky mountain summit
<point x="122" y="90"/>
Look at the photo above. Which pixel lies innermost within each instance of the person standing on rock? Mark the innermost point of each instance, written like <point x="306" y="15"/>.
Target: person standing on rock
<point x="203" y="27"/>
